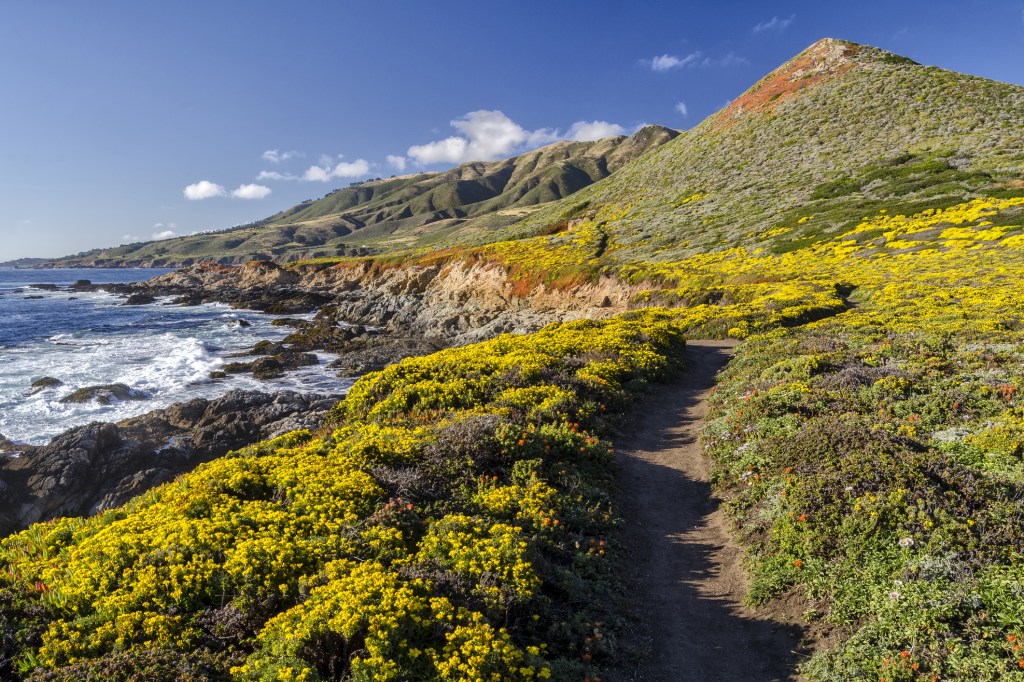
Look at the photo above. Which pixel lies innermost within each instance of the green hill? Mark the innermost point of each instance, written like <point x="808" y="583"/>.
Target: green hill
<point x="400" y="212"/>
<point x="837" y="132"/>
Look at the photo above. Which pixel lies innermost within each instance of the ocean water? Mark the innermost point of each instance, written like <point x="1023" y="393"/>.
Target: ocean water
<point x="84" y="339"/>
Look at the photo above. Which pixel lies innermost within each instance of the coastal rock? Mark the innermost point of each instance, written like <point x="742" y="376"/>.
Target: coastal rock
<point x="43" y="384"/>
<point x="105" y="394"/>
<point x="43" y="287"/>
<point x="101" y="465"/>
<point x="141" y="298"/>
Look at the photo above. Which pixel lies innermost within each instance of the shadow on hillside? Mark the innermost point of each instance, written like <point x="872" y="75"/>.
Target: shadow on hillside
<point x="682" y="573"/>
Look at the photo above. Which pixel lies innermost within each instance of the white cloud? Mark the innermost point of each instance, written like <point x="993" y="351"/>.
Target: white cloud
<point x="277" y="156"/>
<point x="731" y="59"/>
<point x="486" y="136"/>
<point x="489" y="135"/>
<point x="396" y="162"/>
<point x="682" y="109"/>
<point x="250" y="191"/>
<point x="166" y="234"/>
<point x="204" y="189"/>
<point x="775" y="24"/>
<point x="586" y="131"/>
<point x="666" y="62"/>
<point x="130" y="238"/>
<point x="274" y="175"/>
<point x="342" y="169"/>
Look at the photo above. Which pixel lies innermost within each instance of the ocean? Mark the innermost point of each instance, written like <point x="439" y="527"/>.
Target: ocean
<point x="166" y="352"/>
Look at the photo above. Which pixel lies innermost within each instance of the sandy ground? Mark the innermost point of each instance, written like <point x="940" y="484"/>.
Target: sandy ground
<point x="683" y="570"/>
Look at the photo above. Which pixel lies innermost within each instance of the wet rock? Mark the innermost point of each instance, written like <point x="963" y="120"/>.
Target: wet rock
<point x="267" y="368"/>
<point x="105" y="394"/>
<point x="82" y="285"/>
<point x="266" y="347"/>
<point x="141" y="298"/>
<point x="101" y="465"/>
<point x="43" y="287"/>
<point x="236" y="367"/>
<point x="43" y="384"/>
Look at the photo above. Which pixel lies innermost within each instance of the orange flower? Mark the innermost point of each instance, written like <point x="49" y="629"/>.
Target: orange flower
<point x="798" y="563"/>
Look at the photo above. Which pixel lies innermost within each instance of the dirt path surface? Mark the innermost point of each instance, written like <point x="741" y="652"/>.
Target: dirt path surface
<point x="683" y="569"/>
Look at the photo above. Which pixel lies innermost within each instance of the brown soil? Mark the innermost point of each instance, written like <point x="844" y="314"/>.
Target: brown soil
<point x="683" y="571"/>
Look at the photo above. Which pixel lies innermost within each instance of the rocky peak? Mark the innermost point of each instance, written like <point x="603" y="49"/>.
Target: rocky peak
<point x="827" y="59"/>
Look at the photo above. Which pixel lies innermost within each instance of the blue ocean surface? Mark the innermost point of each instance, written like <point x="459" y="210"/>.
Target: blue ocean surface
<point x="166" y="352"/>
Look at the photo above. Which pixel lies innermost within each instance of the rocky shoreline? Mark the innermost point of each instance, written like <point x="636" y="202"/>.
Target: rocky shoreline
<point x="368" y="318"/>
<point x="101" y="465"/>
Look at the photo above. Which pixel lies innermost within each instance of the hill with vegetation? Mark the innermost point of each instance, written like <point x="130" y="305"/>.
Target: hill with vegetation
<point x="399" y="212"/>
<point x="855" y="218"/>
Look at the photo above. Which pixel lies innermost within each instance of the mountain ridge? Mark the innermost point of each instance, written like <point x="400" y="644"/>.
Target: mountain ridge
<point x="411" y="209"/>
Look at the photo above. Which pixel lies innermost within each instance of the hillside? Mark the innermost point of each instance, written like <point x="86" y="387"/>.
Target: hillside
<point x="400" y="212"/>
<point x="855" y="219"/>
<point x="834" y="134"/>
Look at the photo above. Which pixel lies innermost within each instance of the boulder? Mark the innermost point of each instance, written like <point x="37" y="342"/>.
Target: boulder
<point x="105" y="394"/>
<point x="141" y="298"/>
<point x="43" y="384"/>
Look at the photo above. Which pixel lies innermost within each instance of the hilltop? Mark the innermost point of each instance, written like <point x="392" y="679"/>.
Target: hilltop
<point x="401" y="212"/>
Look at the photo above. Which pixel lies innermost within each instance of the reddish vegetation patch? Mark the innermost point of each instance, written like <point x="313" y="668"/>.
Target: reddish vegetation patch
<point x="825" y="59"/>
<point x="260" y="265"/>
<point x="213" y="266"/>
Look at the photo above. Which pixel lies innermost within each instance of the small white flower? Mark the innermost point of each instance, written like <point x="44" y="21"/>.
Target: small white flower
<point x="894" y="595"/>
<point x="906" y="542"/>
<point x="897" y="583"/>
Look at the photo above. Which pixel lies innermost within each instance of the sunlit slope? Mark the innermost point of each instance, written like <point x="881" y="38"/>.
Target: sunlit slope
<point x="833" y="135"/>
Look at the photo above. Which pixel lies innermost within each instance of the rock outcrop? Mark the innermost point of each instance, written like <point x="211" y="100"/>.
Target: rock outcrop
<point x="102" y="465"/>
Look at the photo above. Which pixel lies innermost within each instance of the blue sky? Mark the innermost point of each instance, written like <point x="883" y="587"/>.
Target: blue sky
<point x="129" y="120"/>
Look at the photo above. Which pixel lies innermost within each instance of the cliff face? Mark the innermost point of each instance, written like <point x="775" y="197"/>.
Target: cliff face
<point x="451" y="304"/>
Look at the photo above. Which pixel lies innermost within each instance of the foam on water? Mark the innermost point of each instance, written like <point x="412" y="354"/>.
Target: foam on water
<point x="165" y="352"/>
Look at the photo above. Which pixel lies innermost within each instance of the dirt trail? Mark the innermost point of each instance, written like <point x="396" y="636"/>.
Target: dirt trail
<point x="682" y="567"/>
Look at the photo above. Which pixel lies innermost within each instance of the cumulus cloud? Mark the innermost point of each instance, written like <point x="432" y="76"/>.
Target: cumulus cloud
<point x="586" y="131"/>
<point x="204" y="189"/>
<point x="343" y="169"/>
<point x="130" y="238"/>
<point x="682" y="109"/>
<point x="667" y="62"/>
<point x="775" y="24"/>
<point x="165" y="234"/>
<point x="485" y="136"/>
<point x="277" y="156"/>
<point x="396" y="162"/>
<point x="250" y="191"/>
